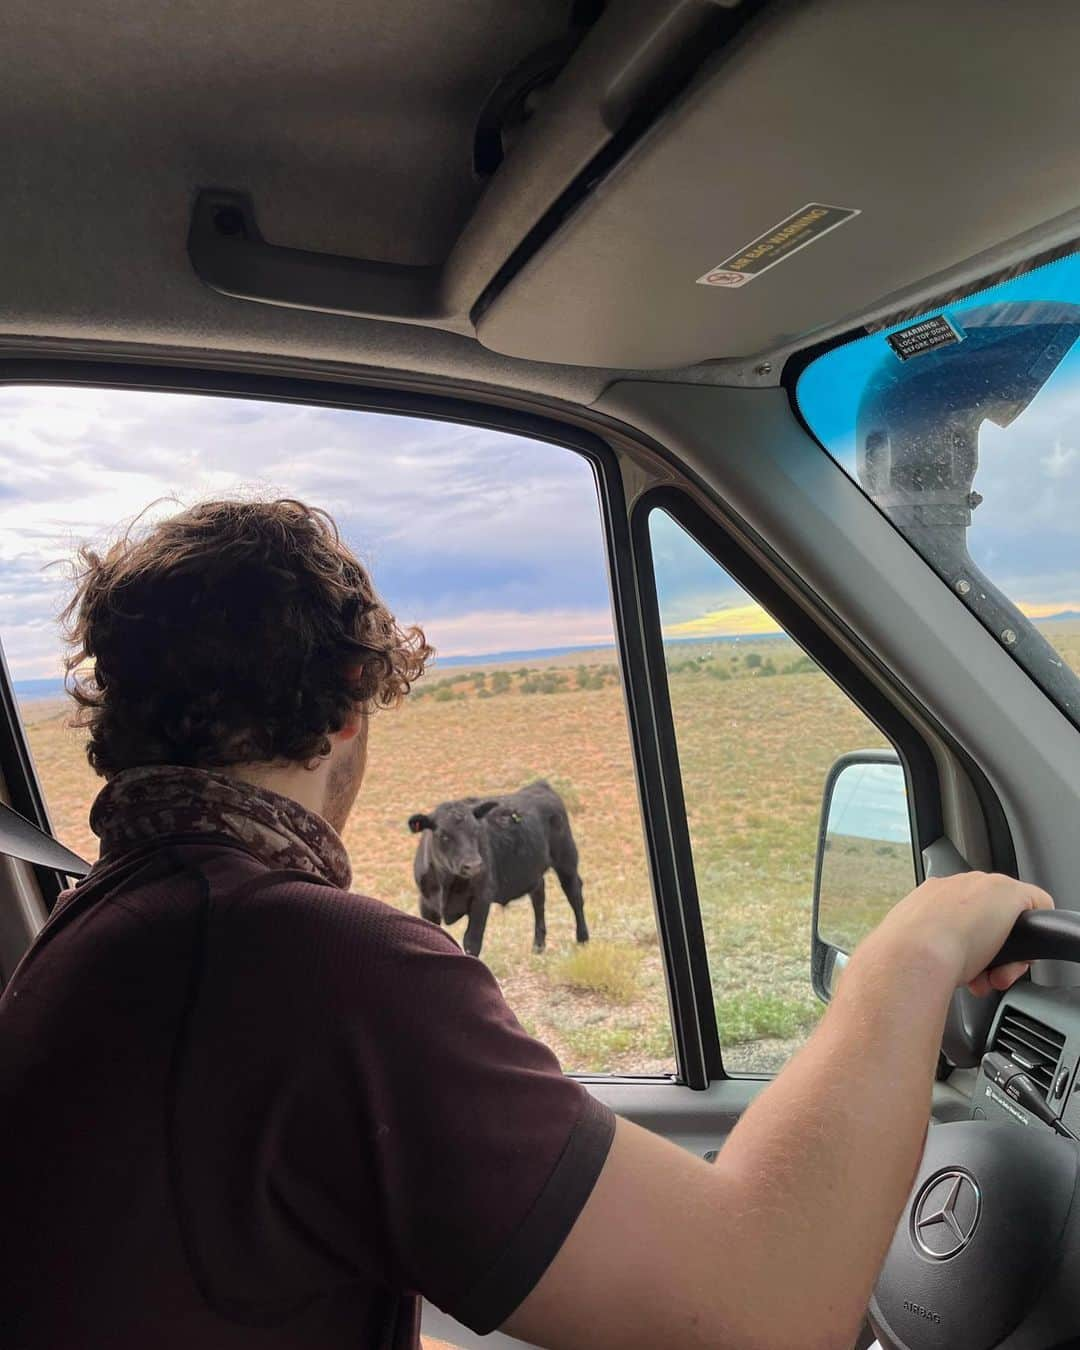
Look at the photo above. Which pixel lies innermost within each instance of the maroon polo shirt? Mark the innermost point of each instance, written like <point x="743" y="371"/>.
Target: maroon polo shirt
<point x="242" y="1108"/>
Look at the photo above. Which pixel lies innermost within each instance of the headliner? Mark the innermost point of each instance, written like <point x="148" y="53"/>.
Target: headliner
<point x="349" y="122"/>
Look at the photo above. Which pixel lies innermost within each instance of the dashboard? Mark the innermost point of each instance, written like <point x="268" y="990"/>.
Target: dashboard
<point x="1037" y="1029"/>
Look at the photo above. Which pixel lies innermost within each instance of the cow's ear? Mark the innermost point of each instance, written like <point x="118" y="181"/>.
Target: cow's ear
<point x="420" y="822"/>
<point x="482" y="808"/>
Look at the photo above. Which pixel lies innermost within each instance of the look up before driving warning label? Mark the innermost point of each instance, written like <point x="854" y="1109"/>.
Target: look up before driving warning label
<point x="926" y="336"/>
<point x="810" y="222"/>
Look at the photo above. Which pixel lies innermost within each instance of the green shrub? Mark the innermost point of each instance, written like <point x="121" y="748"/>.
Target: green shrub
<point x="606" y="968"/>
<point x="552" y="682"/>
<point x="755" y="1017"/>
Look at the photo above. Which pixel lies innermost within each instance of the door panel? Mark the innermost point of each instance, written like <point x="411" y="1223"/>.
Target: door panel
<point x="699" y="1121"/>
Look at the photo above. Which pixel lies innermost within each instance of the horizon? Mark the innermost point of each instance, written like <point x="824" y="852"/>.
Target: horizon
<point x="55" y="684"/>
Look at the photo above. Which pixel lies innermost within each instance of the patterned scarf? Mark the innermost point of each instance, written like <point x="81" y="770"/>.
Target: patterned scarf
<point x="150" y="803"/>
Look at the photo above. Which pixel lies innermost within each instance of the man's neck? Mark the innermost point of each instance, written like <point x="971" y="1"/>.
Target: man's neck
<point x="301" y="784"/>
<point x="327" y="785"/>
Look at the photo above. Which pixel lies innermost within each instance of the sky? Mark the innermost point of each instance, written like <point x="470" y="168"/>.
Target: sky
<point x="491" y="542"/>
<point x="870" y="802"/>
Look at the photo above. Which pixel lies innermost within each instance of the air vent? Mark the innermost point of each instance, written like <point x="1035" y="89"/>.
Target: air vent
<point x="1031" y="1044"/>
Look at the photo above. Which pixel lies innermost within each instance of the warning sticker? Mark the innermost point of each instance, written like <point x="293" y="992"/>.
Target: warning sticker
<point x="810" y="222"/>
<point x="926" y="336"/>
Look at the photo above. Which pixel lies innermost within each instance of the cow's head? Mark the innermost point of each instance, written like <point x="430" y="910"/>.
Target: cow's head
<point x="455" y="836"/>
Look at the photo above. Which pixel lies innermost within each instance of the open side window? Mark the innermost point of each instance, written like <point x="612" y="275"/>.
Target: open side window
<point x="499" y="543"/>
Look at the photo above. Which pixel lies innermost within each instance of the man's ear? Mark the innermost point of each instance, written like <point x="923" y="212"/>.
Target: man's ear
<point x="482" y="808"/>
<point x="420" y="822"/>
<point x="352" y="724"/>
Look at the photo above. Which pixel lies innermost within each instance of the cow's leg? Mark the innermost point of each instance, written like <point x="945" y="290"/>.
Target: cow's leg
<point x="474" y="929"/>
<point x="570" y="881"/>
<point x="536" y="895"/>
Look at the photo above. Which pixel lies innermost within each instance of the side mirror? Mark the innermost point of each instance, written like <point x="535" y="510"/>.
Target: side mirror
<point x="865" y="858"/>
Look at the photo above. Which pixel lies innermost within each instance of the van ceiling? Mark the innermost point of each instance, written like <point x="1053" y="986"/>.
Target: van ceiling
<point x="350" y="126"/>
<point x="350" y="123"/>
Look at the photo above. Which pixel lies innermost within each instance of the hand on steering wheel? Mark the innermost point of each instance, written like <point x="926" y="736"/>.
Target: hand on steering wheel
<point x="987" y="1251"/>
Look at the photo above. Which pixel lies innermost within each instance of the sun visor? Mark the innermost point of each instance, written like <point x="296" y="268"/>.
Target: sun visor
<point x="837" y="154"/>
<point x="538" y="133"/>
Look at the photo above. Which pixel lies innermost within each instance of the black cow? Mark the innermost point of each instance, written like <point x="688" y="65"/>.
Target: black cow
<point x="482" y="851"/>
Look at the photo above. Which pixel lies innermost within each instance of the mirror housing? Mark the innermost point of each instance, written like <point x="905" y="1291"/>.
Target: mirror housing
<point x="866" y="858"/>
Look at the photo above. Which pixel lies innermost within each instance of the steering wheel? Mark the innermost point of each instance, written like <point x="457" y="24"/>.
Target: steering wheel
<point x="987" y="1252"/>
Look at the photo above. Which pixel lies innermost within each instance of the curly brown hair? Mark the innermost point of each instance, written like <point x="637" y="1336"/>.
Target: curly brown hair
<point x="234" y="632"/>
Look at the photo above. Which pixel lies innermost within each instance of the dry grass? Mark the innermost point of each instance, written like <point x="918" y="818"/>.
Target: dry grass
<point x="860" y="882"/>
<point x="606" y="968"/>
<point x="755" y="749"/>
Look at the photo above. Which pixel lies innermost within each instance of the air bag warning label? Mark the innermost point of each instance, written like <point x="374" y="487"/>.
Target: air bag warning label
<point x="810" y="222"/>
<point x="926" y="336"/>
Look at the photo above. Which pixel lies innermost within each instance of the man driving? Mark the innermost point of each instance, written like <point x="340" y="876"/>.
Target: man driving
<point x="245" y="1106"/>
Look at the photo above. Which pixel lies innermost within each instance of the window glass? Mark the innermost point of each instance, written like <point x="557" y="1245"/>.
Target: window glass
<point x="758" y="727"/>
<point x="494" y="544"/>
<point x="963" y="426"/>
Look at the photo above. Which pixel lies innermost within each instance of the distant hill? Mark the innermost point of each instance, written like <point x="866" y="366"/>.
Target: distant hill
<point x="33" y="689"/>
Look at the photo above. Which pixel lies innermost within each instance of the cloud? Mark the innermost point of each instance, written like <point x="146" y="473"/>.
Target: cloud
<point x="459" y="524"/>
<point x="1046" y="609"/>
<point x="480" y="632"/>
<point x="1057" y="463"/>
<point x="734" y="621"/>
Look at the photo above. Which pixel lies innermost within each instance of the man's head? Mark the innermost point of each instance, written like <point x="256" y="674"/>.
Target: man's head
<point x="236" y="634"/>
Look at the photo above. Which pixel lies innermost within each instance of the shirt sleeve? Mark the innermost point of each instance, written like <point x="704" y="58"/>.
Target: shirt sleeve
<point x="481" y="1153"/>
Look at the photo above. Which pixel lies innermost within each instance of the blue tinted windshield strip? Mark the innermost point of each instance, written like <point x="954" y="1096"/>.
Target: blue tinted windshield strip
<point x="962" y="424"/>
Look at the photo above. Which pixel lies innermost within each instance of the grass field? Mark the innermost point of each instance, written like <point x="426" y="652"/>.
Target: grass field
<point x="860" y="881"/>
<point x="758" y="728"/>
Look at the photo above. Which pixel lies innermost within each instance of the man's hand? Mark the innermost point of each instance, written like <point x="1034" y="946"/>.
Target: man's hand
<point x="766" y="1249"/>
<point x="962" y="922"/>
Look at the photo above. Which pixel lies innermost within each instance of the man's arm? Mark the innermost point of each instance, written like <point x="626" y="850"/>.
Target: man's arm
<point x="779" y="1242"/>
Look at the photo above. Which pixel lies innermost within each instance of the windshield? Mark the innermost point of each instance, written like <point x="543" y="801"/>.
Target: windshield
<point x="963" y="426"/>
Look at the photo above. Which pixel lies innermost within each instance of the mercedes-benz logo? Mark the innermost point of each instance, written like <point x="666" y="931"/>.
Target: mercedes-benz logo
<point x="945" y="1215"/>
